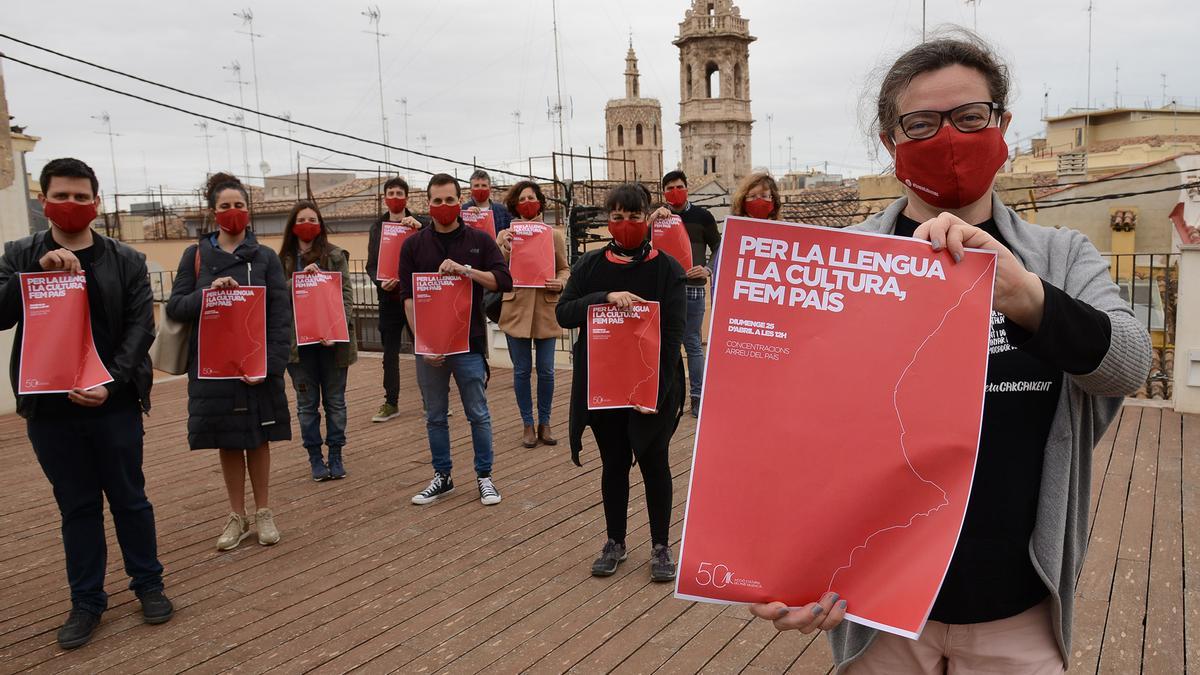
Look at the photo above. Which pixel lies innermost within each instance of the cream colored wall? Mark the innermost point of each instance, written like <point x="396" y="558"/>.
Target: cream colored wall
<point x="1107" y="162"/>
<point x="1187" y="333"/>
<point x="1110" y="127"/>
<point x="14" y="224"/>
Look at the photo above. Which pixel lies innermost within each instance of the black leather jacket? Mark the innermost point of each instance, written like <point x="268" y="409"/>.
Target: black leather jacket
<point x="129" y="307"/>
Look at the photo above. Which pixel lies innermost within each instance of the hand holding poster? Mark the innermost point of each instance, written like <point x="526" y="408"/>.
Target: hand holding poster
<point x="319" y="311"/>
<point x="441" y="314"/>
<point x="391" y="239"/>
<point x="58" y="353"/>
<point x="232" y="341"/>
<point x="483" y="219"/>
<point x="670" y="236"/>
<point x="865" y="357"/>
<point x="532" y="259"/>
<point x="623" y="356"/>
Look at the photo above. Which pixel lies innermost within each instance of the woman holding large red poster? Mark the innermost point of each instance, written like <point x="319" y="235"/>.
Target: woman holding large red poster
<point x="627" y="271"/>
<point x="238" y="417"/>
<point x="527" y="318"/>
<point x="1064" y="351"/>
<point x="319" y="370"/>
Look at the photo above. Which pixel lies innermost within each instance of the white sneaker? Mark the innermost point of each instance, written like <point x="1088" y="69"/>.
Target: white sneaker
<point x="488" y="494"/>
<point x="236" y="531"/>
<point x="264" y="522"/>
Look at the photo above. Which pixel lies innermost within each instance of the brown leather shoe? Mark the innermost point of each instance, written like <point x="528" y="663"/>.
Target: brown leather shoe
<point x="544" y="435"/>
<point x="530" y="439"/>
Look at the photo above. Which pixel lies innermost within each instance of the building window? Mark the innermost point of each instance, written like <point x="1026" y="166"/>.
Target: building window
<point x="714" y="163"/>
<point x="705" y="166"/>
<point x="1078" y="136"/>
<point x="620" y="136"/>
<point x="712" y="73"/>
<point x="656" y="134"/>
<point x="635" y="89"/>
<point x="737" y="81"/>
<point x="637" y="132"/>
<point x="689" y="81"/>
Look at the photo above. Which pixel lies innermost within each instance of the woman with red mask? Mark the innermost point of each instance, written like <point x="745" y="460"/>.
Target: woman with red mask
<point x="239" y="418"/>
<point x="319" y="370"/>
<point x="628" y="270"/>
<point x="757" y="196"/>
<point x="527" y="318"/>
<point x="1064" y="351"/>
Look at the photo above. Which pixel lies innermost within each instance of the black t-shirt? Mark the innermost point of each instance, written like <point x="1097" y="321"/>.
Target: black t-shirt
<point x="703" y="235"/>
<point x="105" y="341"/>
<point x="991" y="575"/>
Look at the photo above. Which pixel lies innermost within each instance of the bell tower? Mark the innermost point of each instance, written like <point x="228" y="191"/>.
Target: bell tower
<point x="714" y="92"/>
<point x="634" y="143"/>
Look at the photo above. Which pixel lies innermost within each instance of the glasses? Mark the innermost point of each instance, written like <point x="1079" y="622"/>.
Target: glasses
<point x="967" y="118"/>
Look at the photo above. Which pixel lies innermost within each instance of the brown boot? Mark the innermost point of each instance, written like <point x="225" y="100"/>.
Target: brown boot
<point x="530" y="439"/>
<point x="544" y="435"/>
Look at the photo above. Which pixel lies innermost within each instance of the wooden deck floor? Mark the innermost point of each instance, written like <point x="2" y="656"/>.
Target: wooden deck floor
<point x="364" y="580"/>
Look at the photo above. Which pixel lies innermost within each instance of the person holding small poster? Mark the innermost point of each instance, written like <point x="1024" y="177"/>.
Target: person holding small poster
<point x="450" y="247"/>
<point x="527" y="319"/>
<point x="625" y="272"/>
<point x="1065" y="350"/>
<point x="706" y="241"/>
<point x="89" y="441"/>
<point x="391" y="309"/>
<point x="319" y="370"/>
<point x="481" y="199"/>
<point x="238" y="417"/>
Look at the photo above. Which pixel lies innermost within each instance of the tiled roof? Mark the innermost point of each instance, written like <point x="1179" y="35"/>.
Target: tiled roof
<point x="1188" y="233"/>
<point x="828" y="206"/>
<point x="1156" y="141"/>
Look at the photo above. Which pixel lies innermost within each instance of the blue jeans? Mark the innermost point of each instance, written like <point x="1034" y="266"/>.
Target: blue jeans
<point x="87" y="459"/>
<point x="692" y="343"/>
<point x="519" y="351"/>
<point x="317" y="378"/>
<point x="470" y="373"/>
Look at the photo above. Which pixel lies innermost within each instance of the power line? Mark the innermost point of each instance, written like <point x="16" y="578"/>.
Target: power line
<point x="248" y="110"/>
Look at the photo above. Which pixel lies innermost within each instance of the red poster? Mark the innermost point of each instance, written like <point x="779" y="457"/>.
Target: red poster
<point x="391" y="238"/>
<point x="441" y="313"/>
<point x="483" y="219"/>
<point x="232" y="340"/>
<point x="623" y="356"/>
<point x="57" y="350"/>
<point x="670" y="236"/>
<point x="532" y="259"/>
<point x="318" y="307"/>
<point x="848" y="368"/>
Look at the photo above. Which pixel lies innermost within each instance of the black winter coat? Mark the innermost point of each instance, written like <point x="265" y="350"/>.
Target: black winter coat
<point x="230" y="414"/>
<point x="129" y="308"/>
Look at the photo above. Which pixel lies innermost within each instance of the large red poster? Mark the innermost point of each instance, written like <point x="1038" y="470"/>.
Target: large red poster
<point x="623" y="356"/>
<point x="391" y="239"/>
<point x="670" y="236"/>
<point x="848" y="368"/>
<point x="532" y="259"/>
<point x="483" y="219"/>
<point x="232" y="340"/>
<point x="441" y="313"/>
<point x="58" y="353"/>
<point x="319" y="308"/>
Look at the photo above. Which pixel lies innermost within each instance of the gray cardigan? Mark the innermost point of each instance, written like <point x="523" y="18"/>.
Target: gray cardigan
<point x="1088" y="403"/>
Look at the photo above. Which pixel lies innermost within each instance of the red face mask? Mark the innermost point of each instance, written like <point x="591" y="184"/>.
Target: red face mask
<point x="629" y="234"/>
<point x="529" y="210"/>
<point x="306" y="232"/>
<point x="676" y="197"/>
<point x="759" y="207"/>
<point x="445" y="214"/>
<point x="70" y="216"/>
<point x="233" y="221"/>
<point x="481" y="195"/>
<point x="951" y="169"/>
<point x="396" y="204"/>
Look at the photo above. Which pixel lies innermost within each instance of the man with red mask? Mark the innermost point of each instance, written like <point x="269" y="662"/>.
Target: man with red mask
<point x="450" y="247"/>
<point x="89" y="442"/>
<point x="481" y="198"/>
<point x="391" y="308"/>
<point x="706" y="240"/>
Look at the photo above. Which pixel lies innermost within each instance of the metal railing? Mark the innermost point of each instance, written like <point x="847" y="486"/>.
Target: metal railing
<point x="1149" y="282"/>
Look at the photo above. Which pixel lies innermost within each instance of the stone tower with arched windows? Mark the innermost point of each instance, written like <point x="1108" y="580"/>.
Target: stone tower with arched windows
<point x="714" y="92"/>
<point x="634" y="131"/>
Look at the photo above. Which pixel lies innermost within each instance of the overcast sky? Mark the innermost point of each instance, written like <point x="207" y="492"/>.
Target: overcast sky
<point x="465" y="67"/>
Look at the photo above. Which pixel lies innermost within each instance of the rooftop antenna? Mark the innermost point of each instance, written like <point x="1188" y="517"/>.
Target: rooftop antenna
<point x="247" y="18"/>
<point x="372" y="14"/>
<point x="975" y="14"/>
<point x="291" y="146"/>
<point x="1117" y="86"/>
<point x="1164" y="89"/>
<point x="424" y="141"/>
<point x="1087" y="115"/>
<point x="556" y="111"/>
<point x="104" y="119"/>
<point x="404" y="114"/>
<point x="236" y="68"/>
<point x="203" y="126"/>
<point x="770" y="144"/>
<point x="517" y="118"/>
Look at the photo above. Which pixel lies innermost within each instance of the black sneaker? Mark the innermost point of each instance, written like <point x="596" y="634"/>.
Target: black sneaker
<point x="695" y="406"/>
<point x="610" y="557"/>
<point x="156" y="608"/>
<point x="662" y="568"/>
<point x="78" y="629"/>
<point x="439" y="487"/>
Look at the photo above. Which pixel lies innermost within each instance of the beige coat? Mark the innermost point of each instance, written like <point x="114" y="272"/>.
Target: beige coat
<point x="529" y="312"/>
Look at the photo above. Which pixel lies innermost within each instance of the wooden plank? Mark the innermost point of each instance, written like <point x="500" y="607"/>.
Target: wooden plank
<point x="1164" y="647"/>
<point x="1191" y="537"/>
